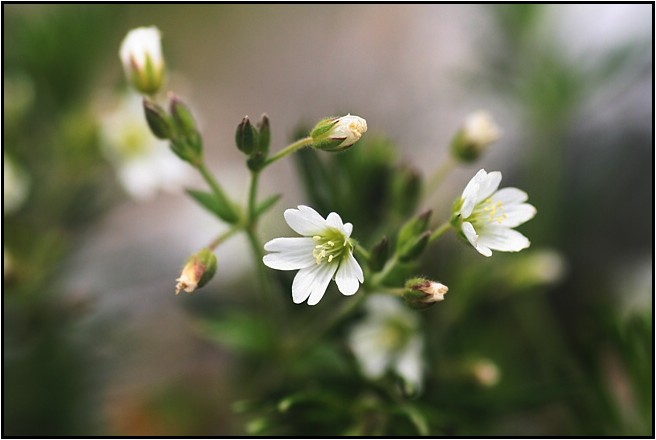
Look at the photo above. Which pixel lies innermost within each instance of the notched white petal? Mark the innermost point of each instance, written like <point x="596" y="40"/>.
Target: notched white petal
<point x="305" y="222"/>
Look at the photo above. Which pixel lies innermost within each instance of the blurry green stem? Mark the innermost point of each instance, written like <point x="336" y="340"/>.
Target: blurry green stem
<point x="252" y="198"/>
<point x="304" y="142"/>
<point x="437" y="233"/>
<point x="213" y="184"/>
<point x="389" y="267"/>
<point x="223" y="237"/>
<point x="438" y="176"/>
<point x="362" y="251"/>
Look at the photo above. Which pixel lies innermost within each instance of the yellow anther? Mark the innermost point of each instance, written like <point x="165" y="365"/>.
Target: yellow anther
<point x="330" y="258"/>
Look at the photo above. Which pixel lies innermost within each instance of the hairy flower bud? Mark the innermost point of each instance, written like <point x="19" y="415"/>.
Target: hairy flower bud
<point x="141" y="55"/>
<point x="477" y="133"/>
<point x="338" y="134"/>
<point x="421" y="293"/>
<point x="198" y="270"/>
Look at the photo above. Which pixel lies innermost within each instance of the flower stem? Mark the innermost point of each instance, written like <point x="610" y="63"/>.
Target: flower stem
<point x="362" y="251"/>
<point x="213" y="184"/>
<point x="252" y="198"/>
<point x="389" y="267"/>
<point x="437" y="233"/>
<point x="223" y="237"/>
<point x="438" y="176"/>
<point x="291" y="148"/>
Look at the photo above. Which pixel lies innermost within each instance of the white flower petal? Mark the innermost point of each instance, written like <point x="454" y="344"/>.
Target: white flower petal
<point x="335" y="221"/>
<point x="321" y="281"/>
<point x="349" y="275"/>
<point x="488" y="185"/>
<point x="305" y="221"/>
<point x="474" y="239"/>
<point x="289" y="260"/>
<point x="515" y="215"/>
<point x="365" y="343"/>
<point x="502" y="239"/>
<point x="288" y="244"/>
<point x="509" y="196"/>
<point x="303" y="281"/>
<point x="470" y="194"/>
<point x="408" y="364"/>
<point x="348" y="228"/>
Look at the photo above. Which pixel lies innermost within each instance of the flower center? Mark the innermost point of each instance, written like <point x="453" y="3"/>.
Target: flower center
<point x="330" y="246"/>
<point x="488" y="212"/>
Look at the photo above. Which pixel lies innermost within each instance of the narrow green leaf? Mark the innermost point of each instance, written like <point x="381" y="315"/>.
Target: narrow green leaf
<point x="217" y="207"/>
<point x="266" y="204"/>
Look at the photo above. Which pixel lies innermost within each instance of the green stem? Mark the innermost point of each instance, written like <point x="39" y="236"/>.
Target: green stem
<point x="213" y="184"/>
<point x="252" y="198"/>
<point x="223" y="237"/>
<point x="362" y="251"/>
<point x="304" y="142"/>
<point x="438" y="176"/>
<point x="389" y="267"/>
<point x="437" y="233"/>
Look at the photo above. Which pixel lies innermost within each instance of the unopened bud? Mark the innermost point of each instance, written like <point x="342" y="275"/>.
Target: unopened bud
<point x="141" y="55"/>
<point x="406" y="190"/>
<point x="246" y="136"/>
<point x="477" y="133"/>
<point x="379" y="255"/>
<point x="187" y="142"/>
<point x="338" y="134"/>
<point x="485" y="372"/>
<point x="198" y="270"/>
<point x="414" y="248"/>
<point x="421" y="293"/>
<point x="265" y="134"/>
<point x="412" y="229"/>
<point x="159" y="121"/>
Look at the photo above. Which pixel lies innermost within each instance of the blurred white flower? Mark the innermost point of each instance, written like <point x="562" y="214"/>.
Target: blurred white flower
<point x="487" y="216"/>
<point x="15" y="185"/>
<point x="480" y="129"/>
<point x="143" y="163"/>
<point x="388" y="339"/>
<point x="141" y="55"/>
<point x="324" y="252"/>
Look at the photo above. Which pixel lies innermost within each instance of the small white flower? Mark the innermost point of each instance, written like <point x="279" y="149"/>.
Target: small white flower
<point x="15" y="185"/>
<point x="325" y="252"/>
<point x="480" y="129"/>
<point x="487" y="216"/>
<point x="141" y="55"/>
<point x="338" y="134"/>
<point x="388" y="339"/>
<point x="143" y="163"/>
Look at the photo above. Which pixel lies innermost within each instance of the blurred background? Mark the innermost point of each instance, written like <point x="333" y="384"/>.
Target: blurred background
<point x="557" y="340"/>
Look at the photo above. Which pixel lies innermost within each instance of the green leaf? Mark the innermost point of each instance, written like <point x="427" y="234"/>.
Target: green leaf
<point x="240" y="332"/>
<point x="266" y="204"/>
<point x="215" y="206"/>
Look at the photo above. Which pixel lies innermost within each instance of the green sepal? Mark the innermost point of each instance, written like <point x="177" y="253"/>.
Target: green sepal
<point x="379" y="254"/>
<point x="220" y="208"/>
<point x="158" y="120"/>
<point x="265" y="134"/>
<point x="246" y="136"/>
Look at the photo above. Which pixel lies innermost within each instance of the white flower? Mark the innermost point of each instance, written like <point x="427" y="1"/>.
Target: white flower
<point x="480" y="129"/>
<point x="325" y="251"/>
<point x="141" y="55"/>
<point x="487" y="216"/>
<point x="388" y="339"/>
<point x="143" y="163"/>
<point x="338" y="134"/>
<point x="15" y="185"/>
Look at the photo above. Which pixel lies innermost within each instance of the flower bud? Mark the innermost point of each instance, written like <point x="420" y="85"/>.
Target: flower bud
<point x="379" y="255"/>
<point x="406" y="190"/>
<point x="246" y="136"/>
<point x="485" y="372"/>
<point x="187" y="142"/>
<point x="414" y="248"/>
<point x="141" y="55"/>
<point x="159" y="121"/>
<point x="198" y="270"/>
<point x="265" y="134"/>
<point x="421" y="293"/>
<point x="412" y="229"/>
<point x="338" y="134"/>
<point x="477" y="133"/>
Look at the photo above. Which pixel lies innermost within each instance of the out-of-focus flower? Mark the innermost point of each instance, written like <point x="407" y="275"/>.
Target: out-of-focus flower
<point x="15" y="185"/>
<point x="486" y="216"/>
<point x="485" y="372"/>
<point x="325" y="251"/>
<point x="143" y="163"/>
<point x="421" y="293"/>
<point x="197" y="271"/>
<point x="338" y="134"/>
<point x="141" y="55"/>
<point x="477" y="133"/>
<point x="388" y="339"/>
